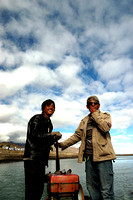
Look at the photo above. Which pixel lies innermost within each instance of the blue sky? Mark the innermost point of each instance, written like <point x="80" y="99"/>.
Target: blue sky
<point x="66" y="50"/>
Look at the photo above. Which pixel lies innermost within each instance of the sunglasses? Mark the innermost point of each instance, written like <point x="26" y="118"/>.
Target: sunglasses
<point x="90" y="103"/>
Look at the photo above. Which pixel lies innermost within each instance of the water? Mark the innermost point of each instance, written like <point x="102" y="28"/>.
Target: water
<point x="12" y="177"/>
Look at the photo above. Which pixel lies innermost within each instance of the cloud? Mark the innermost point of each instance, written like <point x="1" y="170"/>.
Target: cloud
<point x="65" y="51"/>
<point x="10" y="131"/>
<point x="122" y="144"/>
<point x="42" y="76"/>
<point x="12" y="81"/>
<point x="112" y="69"/>
<point x="7" y="111"/>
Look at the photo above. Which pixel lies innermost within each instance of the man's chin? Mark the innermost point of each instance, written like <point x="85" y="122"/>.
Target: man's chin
<point x="49" y="115"/>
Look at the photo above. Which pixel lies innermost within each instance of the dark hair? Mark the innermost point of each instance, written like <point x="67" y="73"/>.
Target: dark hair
<point x="48" y="102"/>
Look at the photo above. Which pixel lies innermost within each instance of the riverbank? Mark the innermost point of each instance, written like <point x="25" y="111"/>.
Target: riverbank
<point x="16" y="155"/>
<point x="10" y="152"/>
<point x="10" y="155"/>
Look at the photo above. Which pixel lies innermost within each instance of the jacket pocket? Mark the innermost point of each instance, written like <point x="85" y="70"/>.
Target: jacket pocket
<point x="104" y="149"/>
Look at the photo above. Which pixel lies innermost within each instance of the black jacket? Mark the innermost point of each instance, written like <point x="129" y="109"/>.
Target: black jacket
<point x="39" y="139"/>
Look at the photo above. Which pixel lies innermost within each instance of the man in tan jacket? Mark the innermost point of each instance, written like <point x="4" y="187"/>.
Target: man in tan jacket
<point x="96" y="150"/>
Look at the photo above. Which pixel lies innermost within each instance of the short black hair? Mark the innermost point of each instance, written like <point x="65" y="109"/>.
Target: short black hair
<point x="48" y="102"/>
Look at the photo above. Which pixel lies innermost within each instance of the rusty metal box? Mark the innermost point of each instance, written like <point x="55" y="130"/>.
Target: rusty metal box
<point x="68" y="183"/>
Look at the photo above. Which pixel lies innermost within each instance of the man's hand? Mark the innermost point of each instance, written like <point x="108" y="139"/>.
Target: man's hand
<point x="57" y="135"/>
<point x="57" y="144"/>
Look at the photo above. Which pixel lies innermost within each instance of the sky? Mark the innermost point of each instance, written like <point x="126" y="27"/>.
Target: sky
<point x="66" y="51"/>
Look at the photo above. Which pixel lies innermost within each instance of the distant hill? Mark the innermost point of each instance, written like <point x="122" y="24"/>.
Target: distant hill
<point x="17" y="155"/>
<point x="10" y="155"/>
<point x="20" y="145"/>
<point x="12" y="145"/>
<point x="68" y="150"/>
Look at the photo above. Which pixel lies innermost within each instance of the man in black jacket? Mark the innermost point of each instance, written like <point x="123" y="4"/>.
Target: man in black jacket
<point x="37" y="148"/>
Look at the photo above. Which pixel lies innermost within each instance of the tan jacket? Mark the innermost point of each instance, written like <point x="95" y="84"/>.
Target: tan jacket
<point x="101" y="140"/>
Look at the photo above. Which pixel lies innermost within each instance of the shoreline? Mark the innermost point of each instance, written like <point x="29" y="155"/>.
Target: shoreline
<point x="10" y="152"/>
<point x="7" y="156"/>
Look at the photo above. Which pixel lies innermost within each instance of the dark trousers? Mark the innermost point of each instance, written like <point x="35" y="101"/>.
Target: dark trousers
<point x="99" y="179"/>
<point x="34" y="179"/>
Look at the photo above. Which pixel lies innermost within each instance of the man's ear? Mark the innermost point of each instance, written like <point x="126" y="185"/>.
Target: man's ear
<point x="87" y="106"/>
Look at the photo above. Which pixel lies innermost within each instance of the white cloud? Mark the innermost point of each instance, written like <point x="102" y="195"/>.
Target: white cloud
<point x="68" y="113"/>
<point x="65" y="51"/>
<point x="13" y="6"/>
<point x="8" y="130"/>
<point x="122" y="144"/>
<point x="12" y="81"/>
<point x="7" y="111"/>
<point x="112" y="69"/>
<point x="121" y="118"/>
<point x="123" y="148"/>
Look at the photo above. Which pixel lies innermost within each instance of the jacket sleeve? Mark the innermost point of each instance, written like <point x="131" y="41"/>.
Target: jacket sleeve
<point x="35" y="133"/>
<point x="102" y="120"/>
<point x="76" y="137"/>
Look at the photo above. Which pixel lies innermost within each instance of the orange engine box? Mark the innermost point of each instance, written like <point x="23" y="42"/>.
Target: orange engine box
<point x="68" y="183"/>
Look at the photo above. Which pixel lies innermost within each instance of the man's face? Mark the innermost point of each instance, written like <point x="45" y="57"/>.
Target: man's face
<point x="93" y="105"/>
<point x="49" y="110"/>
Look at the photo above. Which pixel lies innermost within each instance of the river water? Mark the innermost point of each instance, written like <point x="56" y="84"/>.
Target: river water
<point x="12" y="177"/>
